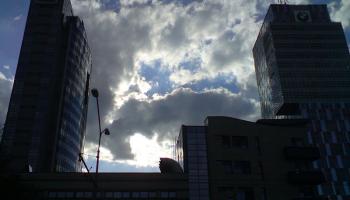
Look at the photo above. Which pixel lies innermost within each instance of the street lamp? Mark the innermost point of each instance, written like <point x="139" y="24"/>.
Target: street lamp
<point x="94" y="93"/>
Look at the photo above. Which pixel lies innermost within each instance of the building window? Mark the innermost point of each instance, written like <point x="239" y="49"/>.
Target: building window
<point x="144" y="194"/>
<point x="263" y="194"/>
<point x="261" y="170"/>
<point x="172" y="194"/>
<point x="240" y="193"/>
<point x="306" y="191"/>
<point x="109" y="194"/>
<point x="234" y="141"/>
<point x="225" y="141"/>
<point x="126" y="195"/>
<point x="164" y="194"/>
<point x="346" y="188"/>
<point x="227" y="165"/>
<point x="297" y="141"/>
<point x="80" y="194"/>
<point x="236" y="167"/>
<point x="257" y="144"/>
<point x="88" y="194"/>
<point x="52" y="195"/>
<point x="319" y="190"/>
<point x="240" y="141"/>
<point x="135" y="195"/>
<point x="241" y="167"/>
<point x="245" y="193"/>
<point x="117" y="194"/>
<point x="152" y="194"/>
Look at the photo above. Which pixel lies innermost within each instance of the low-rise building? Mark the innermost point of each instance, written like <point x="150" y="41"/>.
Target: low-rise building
<point x="95" y="186"/>
<point x="228" y="158"/>
<point x="225" y="159"/>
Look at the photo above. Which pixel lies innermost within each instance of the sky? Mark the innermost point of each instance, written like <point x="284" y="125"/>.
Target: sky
<point x="158" y="64"/>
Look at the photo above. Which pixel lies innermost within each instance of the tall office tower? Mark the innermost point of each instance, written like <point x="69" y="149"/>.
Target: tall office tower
<point x="302" y="67"/>
<point x="45" y="123"/>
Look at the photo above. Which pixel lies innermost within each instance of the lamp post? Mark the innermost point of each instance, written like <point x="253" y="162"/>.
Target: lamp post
<point x="94" y="93"/>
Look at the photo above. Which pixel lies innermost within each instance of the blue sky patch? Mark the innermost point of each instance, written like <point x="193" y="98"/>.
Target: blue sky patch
<point x="158" y="77"/>
<point x="13" y="17"/>
<point x="192" y="65"/>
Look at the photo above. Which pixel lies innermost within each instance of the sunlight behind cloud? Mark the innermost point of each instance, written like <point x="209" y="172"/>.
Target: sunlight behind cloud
<point x="148" y="151"/>
<point x="90" y="150"/>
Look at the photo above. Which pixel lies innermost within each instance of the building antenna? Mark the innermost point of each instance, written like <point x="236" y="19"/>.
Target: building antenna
<point x="174" y="148"/>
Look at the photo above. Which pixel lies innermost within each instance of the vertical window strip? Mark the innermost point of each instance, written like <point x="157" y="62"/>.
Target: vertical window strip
<point x="328" y="150"/>
<point x="319" y="190"/>
<point x="334" y="174"/>
<point x="334" y="137"/>
<point x="339" y="161"/>
<point x="309" y="137"/>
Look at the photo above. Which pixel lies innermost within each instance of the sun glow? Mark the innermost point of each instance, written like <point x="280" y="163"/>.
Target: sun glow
<point x="148" y="151"/>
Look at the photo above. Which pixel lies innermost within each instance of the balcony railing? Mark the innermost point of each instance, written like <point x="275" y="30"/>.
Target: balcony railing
<point x="310" y="177"/>
<point x="302" y="153"/>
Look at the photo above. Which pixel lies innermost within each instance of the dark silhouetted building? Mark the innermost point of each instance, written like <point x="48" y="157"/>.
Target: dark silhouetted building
<point x="45" y="123"/>
<point x="300" y="56"/>
<point x="302" y="67"/>
<point x="224" y="159"/>
<point x="96" y="186"/>
<point x="228" y="158"/>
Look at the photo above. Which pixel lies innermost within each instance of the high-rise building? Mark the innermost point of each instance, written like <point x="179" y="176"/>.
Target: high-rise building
<point x="300" y="56"/>
<point x="45" y="123"/>
<point x="302" y="67"/>
<point x="229" y="158"/>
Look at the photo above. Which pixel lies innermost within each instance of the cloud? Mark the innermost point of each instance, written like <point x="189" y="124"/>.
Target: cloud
<point x="5" y="93"/>
<point x="117" y="166"/>
<point x="18" y="17"/>
<point x="6" y="66"/>
<point x="162" y="63"/>
<point x="340" y="12"/>
<point x="192" y="51"/>
<point x="165" y="116"/>
<point x="193" y="44"/>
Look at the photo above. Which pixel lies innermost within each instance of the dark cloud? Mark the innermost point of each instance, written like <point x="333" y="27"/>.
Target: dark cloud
<point x="165" y="116"/>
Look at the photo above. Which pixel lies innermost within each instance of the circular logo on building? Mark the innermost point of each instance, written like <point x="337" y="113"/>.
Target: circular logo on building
<point x="302" y="16"/>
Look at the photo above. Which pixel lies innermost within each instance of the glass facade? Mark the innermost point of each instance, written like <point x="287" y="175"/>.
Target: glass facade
<point x="75" y="97"/>
<point x="305" y="55"/>
<point x="298" y="61"/>
<point x="45" y="122"/>
<point x="330" y="131"/>
<point x="192" y="156"/>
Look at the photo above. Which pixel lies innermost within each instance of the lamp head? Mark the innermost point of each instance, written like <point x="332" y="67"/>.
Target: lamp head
<point x="106" y="131"/>
<point x="94" y="92"/>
